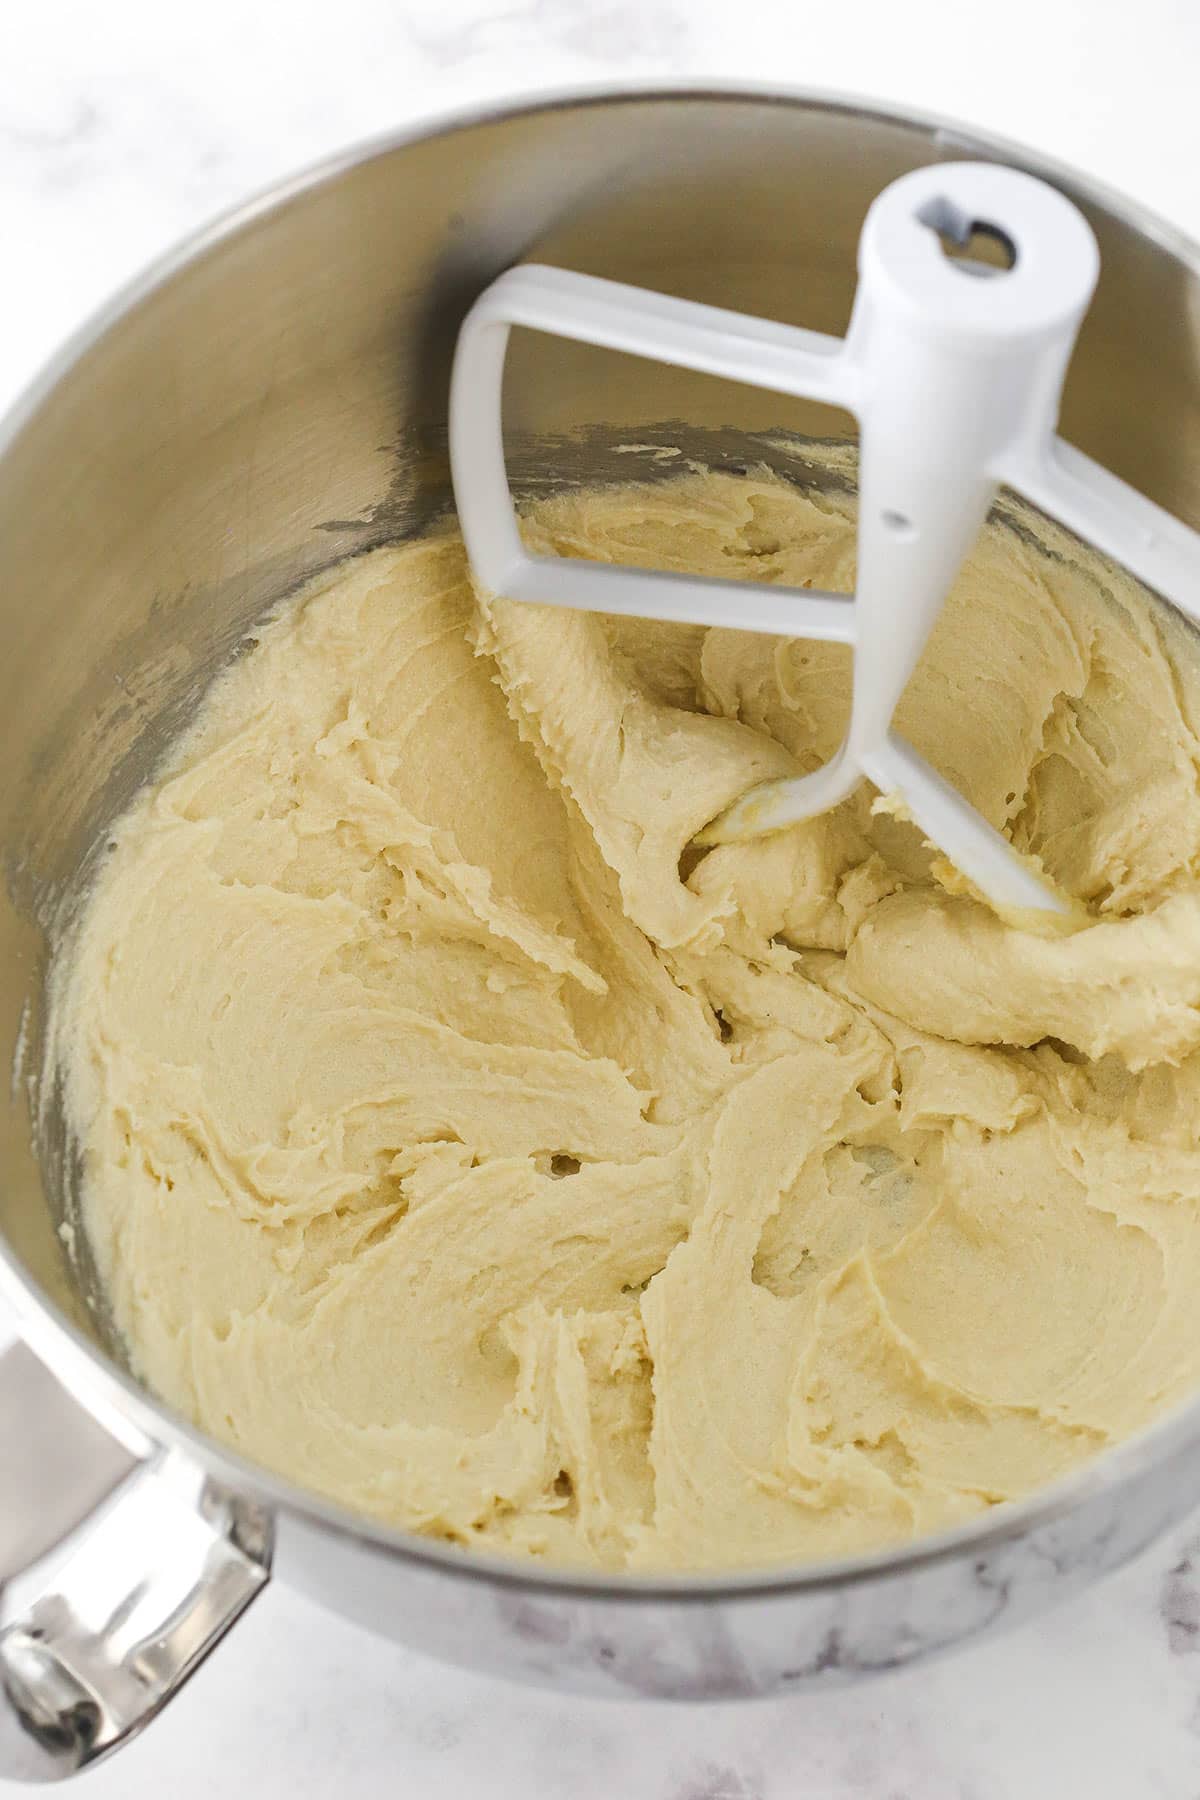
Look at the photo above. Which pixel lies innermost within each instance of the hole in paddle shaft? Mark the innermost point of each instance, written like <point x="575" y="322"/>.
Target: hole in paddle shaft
<point x="974" y="246"/>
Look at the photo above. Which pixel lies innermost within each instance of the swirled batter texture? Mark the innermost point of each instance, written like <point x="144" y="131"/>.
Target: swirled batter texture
<point x="461" y="1144"/>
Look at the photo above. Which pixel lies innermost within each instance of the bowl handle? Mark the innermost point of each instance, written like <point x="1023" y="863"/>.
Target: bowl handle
<point x="118" y="1574"/>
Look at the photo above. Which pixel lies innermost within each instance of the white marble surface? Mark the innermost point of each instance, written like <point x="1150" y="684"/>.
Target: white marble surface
<point x="123" y="125"/>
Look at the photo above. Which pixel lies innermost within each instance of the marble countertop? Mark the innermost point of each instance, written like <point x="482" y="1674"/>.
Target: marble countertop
<point x="122" y="127"/>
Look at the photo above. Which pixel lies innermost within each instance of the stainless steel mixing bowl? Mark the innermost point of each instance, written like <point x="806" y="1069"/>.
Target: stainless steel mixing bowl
<point x="267" y="401"/>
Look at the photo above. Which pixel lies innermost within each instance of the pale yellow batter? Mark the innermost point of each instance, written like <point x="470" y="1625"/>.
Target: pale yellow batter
<point x="462" y="1144"/>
